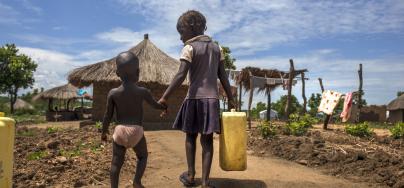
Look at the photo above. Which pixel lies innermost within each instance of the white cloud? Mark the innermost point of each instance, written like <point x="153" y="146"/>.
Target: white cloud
<point x="53" y="66"/>
<point x="251" y="26"/>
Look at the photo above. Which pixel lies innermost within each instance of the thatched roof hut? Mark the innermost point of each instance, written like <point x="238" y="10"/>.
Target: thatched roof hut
<point x="396" y="109"/>
<point x="21" y="104"/>
<point x="64" y="92"/>
<point x="157" y="69"/>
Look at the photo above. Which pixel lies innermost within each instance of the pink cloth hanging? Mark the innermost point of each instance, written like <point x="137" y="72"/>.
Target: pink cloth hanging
<point x="346" y="112"/>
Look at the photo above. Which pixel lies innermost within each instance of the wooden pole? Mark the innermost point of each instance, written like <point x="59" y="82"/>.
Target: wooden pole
<point x="269" y="104"/>
<point x="360" y="93"/>
<point x="239" y="96"/>
<point x="304" y="94"/>
<point x="327" y="117"/>
<point x="250" y="100"/>
<point x="321" y="84"/>
<point x="288" y="102"/>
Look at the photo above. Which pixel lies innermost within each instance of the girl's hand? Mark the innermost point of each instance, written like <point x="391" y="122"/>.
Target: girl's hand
<point x="232" y="104"/>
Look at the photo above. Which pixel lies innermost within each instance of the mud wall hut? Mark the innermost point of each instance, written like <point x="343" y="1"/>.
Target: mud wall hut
<point x="157" y="69"/>
<point x="396" y="109"/>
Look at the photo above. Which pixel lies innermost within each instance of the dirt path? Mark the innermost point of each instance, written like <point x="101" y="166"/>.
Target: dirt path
<point x="167" y="161"/>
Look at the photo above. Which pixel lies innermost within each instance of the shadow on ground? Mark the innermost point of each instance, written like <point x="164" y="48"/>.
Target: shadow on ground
<point x="234" y="183"/>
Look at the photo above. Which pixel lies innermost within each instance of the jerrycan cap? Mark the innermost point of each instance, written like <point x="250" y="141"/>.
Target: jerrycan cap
<point x="232" y="110"/>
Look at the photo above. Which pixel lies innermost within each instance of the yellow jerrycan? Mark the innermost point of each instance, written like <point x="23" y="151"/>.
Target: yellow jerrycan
<point x="233" y="141"/>
<point x="7" y="131"/>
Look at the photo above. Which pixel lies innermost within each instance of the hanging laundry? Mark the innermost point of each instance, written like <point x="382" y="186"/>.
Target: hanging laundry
<point x="329" y="101"/>
<point x="346" y="112"/>
<point x="286" y="83"/>
<point x="258" y="82"/>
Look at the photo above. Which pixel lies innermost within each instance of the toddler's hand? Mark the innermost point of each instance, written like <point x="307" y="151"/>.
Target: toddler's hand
<point x="104" y="137"/>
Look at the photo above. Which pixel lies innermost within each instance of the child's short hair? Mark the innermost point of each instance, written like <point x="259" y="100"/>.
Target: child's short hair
<point x="192" y="20"/>
<point x="127" y="64"/>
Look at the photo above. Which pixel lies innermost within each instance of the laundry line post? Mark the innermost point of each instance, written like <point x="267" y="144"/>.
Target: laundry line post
<point x="304" y="93"/>
<point x="239" y="96"/>
<point x="327" y="117"/>
<point x="269" y="104"/>
<point x="288" y="102"/>
<point x="360" y="93"/>
<point x="250" y="99"/>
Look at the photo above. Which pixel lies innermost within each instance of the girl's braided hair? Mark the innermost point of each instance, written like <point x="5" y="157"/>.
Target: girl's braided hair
<point x="192" y="20"/>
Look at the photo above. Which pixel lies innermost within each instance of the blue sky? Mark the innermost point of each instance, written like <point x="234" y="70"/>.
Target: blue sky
<point x="329" y="38"/>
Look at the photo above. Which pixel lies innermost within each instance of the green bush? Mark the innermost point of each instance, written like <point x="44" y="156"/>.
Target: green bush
<point x="398" y="130"/>
<point x="361" y="129"/>
<point x="266" y="129"/>
<point x="298" y="125"/>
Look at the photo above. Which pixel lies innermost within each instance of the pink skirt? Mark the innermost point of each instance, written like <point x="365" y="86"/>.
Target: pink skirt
<point x="127" y="135"/>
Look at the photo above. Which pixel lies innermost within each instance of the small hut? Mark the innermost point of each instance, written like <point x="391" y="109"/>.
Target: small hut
<point x="396" y="109"/>
<point x="65" y="94"/>
<point x="22" y="105"/>
<point x="157" y="69"/>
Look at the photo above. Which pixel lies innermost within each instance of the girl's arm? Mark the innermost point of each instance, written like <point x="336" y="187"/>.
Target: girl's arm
<point x="177" y="81"/>
<point x="108" y="113"/>
<point x="150" y="100"/>
<point x="225" y="83"/>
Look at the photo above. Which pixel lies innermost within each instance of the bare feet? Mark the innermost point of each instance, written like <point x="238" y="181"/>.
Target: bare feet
<point x="137" y="185"/>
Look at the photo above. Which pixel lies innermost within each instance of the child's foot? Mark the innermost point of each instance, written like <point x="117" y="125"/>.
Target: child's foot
<point x="137" y="185"/>
<point x="187" y="179"/>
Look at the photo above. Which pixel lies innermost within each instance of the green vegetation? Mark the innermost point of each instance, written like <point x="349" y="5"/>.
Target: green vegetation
<point x="298" y="125"/>
<point x="360" y="130"/>
<point x="29" y="118"/>
<point x="17" y="72"/>
<point x="37" y="155"/>
<point x="266" y="129"/>
<point x="279" y="105"/>
<point x="255" y="112"/>
<point x="98" y="125"/>
<point x="398" y="130"/>
<point x="314" y="103"/>
<point x="27" y="133"/>
<point x="71" y="153"/>
<point x="51" y="130"/>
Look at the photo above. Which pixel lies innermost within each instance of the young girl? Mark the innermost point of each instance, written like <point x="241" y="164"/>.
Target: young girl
<point x="202" y="58"/>
<point x="126" y="100"/>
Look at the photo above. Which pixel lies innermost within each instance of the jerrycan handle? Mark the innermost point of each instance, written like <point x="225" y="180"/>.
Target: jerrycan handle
<point x="232" y="110"/>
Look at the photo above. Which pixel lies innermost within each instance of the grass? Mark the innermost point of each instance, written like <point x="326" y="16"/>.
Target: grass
<point x="51" y="130"/>
<point x="27" y="133"/>
<point x="71" y="153"/>
<point x="37" y="155"/>
<point x="36" y="119"/>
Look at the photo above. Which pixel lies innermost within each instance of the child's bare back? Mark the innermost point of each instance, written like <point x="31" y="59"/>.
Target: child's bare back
<point x="127" y="102"/>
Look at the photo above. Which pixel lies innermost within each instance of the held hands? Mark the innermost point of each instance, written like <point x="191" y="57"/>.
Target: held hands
<point x="104" y="136"/>
<point x="232" y="104"/>
<point x="163" y="102"/>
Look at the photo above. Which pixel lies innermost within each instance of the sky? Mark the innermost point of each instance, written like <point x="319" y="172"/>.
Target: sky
<point x="329" y="38"/>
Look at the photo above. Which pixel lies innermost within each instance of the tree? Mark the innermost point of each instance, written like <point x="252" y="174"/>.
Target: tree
<point x="399" y="93"/>
<point x="17" y="71"/>
<point x="255" y="112"/>
<point x="228" y="59"/>
<point x="314" y="103"/>
<point x="279" y="105"/>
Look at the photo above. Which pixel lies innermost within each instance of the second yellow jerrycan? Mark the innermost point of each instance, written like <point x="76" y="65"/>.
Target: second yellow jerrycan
<point x="233" y="141"/>
<point x="7" y="132"/>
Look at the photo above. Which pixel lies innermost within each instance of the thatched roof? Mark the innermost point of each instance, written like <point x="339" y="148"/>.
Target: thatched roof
<point x="155" y="67"/>
<point x="396" y="104"/>
<point x="244" y="76"/>
<point x="63" y="92"/>
<point x="21" y="104"/>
